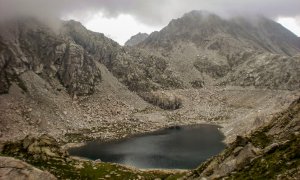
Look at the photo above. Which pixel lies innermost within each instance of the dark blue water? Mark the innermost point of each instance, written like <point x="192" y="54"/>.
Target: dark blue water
<point x="172" y="148"/>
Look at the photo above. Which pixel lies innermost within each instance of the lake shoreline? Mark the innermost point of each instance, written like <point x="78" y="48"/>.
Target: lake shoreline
<point x="152" y="148"/>
<point x="80" y="144"/>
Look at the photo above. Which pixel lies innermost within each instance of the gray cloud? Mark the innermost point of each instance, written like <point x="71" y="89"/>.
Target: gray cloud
<point x="297" y="18"/>
<point x="151" y="12"/>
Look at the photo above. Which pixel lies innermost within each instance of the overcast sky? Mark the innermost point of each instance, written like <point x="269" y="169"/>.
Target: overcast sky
<point x="120" y="19"/>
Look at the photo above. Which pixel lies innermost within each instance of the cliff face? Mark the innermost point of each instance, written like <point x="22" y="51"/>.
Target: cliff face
<point x="32" y="46"/>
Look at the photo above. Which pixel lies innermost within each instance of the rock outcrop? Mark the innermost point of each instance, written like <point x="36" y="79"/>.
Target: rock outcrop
<point x="28" y="44"/>
<point x="11" y="168"/>
<point x="265" y="70"/>
<point x="142" y="71"/>
<point x="43" y="147"/>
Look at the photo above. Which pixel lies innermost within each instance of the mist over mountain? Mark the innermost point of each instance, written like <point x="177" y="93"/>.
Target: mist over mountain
<point x="148" y="12"/>
<point x="256" y="33"/>
<point x="136" y="39"/>
<point x="204" y="47"/>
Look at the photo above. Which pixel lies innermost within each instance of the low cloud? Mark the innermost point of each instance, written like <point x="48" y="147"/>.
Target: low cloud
<point x="151" y="12"/>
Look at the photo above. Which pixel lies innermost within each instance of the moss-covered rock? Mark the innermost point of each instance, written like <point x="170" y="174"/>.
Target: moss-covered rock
<point x="163" y="100"/>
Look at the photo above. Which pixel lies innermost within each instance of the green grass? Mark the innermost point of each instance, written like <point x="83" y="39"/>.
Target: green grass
<point x="283" y="158"/>
<point x="69" y="168"/>
<point x="260" y="139"/>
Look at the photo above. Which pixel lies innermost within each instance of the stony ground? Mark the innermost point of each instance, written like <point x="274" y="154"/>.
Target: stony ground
<point x="269" y="152"/>
<point x="115" y="112"/>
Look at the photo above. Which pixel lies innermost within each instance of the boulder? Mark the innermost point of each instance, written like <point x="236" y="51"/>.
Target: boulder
<point x="11" y="168"/>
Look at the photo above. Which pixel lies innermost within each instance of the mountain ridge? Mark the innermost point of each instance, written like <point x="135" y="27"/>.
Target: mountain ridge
<point x="198" y="23"/>
<point x="208" y="44"/>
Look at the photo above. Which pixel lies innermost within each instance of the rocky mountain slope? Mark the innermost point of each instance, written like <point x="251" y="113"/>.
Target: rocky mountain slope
<point x="271" y="152"/>
<point x="57" y="80"/>
<point x="28" y="45"/>
<point x="58" y="77"/>
<point x="136" y="39"/>
<point x="204" y="48"/>
<point x="212" y="32"/>
<point x="70" y="55"/>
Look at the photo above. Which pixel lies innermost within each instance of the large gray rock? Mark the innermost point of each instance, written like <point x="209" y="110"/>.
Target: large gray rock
<point x="78" y="71"/>
<point x="11" y="168"/>
<point x="44" y="146"/>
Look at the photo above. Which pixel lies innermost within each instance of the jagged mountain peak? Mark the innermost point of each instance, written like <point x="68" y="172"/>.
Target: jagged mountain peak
<point x="136" y="39"/>
<point x="205" y="47"/>
<point x="194" y="22"/>
<point x="202" y="28"/>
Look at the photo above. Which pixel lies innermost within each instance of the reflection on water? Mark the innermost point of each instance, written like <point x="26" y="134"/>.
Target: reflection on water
<point x="173" y="148"/>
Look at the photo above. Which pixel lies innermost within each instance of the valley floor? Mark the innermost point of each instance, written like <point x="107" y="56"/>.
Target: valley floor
<point x="114" y="112"/>
<point x="108" y="116"/>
